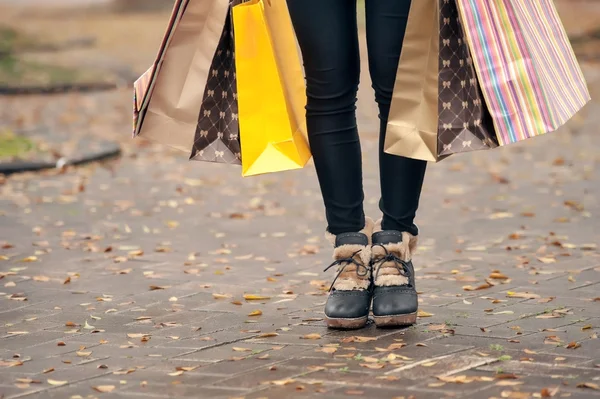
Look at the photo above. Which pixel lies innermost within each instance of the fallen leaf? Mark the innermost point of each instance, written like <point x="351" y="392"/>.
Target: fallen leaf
<point x="238" y="349"/>
<point x="255" y="313"/>
<point x="221" y="296"/>
<point x="387" y="377"/>
<point x="422" y="313"/>
<point x="104" y="388"/>
<point x="187" y="368"/>
<point x="588" y="385"/>
<point x="506" y="376"/>
<point x="311" y="336"/>
<point x="549" y="393"/>
<point x="478" y="288"/>
<point x="328" y="350"/>
<point x="498" y="276"/>
<point x="136" y="335"/>
<point x="253" y="297"/>
<point x="268" y="335"/>
<point x="524" y="295"/>
<point x="56" y="383"/>
<point x="573" y="345"/>
<point x="501" y="215"/>
<point x="374" y="366"/>
<point x="281" y="382"/>
<point x="158" y="287"/>
<point x="547" y="260"/>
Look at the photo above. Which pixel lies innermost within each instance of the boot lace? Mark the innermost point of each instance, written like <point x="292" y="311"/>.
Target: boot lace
<point x="398" y="263"/>
<point x="361" y="270"/>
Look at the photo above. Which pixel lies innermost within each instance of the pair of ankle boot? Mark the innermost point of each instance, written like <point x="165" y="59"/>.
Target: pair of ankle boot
<point x="374" y="266"/>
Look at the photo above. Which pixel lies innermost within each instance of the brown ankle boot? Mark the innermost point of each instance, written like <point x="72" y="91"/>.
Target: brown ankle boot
<point x="350" y="294"/>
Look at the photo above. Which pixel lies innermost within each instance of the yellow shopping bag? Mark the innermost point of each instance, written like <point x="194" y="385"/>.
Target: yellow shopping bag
<point x="270" y="86"/>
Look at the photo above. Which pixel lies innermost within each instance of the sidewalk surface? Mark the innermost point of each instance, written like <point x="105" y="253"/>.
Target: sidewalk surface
<point x="155" y="277"/>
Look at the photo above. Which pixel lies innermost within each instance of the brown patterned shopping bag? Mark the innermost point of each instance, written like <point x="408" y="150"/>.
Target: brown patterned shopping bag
<point x="187" y="99"/>
<point x="437" y="108"/>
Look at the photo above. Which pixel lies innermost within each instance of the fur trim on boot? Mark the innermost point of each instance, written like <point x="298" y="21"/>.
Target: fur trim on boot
<point x="349" y="279"/>
<point x="387" y="274"/>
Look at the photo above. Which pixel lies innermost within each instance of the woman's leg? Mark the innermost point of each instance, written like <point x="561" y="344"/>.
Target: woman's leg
<point x="328" y="38"/>
<point x="395" y="300"/>
<point x="401" y="178"/>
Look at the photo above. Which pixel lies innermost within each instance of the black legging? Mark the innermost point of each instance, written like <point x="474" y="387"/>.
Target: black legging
<point x="328" y="37"/>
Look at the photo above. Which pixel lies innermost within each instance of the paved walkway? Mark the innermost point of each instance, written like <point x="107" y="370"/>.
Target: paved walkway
<point x="156" y="277"/>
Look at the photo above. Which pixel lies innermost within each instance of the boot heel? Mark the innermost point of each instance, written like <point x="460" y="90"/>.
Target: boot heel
<point x="404" y="320"/>
<point x="346" y="324"/>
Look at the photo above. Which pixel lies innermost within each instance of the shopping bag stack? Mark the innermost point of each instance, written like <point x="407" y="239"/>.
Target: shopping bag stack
<point x="218" y="95"/>
<point x="476" y="74"/>
<point x="227" y="85"/>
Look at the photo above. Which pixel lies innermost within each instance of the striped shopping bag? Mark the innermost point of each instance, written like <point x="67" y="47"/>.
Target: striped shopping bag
<point x="527" y="70"/>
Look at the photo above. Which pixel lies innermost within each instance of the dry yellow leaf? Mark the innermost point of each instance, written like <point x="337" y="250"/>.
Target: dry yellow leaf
<point x="176" y="373"/>
<point x="172" y="224"/>
<point x="311" y="336"/>
<point x="422" y="313"/>
<point x="255" y="313"/>
<point x="498" y="276"/>
<point x="221" y="296"/>
<point x="524" y="295"/>
<point x="254" y="297"/>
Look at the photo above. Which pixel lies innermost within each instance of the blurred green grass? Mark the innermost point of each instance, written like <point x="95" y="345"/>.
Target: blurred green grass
<point x="18" y="71"/>
<point x="13" y="146"/>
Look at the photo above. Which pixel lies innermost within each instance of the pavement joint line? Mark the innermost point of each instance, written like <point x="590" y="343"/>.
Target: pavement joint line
<point x="431" y="359"/>
<point x="210" y="347"/>
<point x="560" y="326"/>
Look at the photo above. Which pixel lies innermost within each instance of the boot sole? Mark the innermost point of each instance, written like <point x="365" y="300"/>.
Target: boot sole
<point x="401" y="320"/>
<point x="346" y="324"/>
